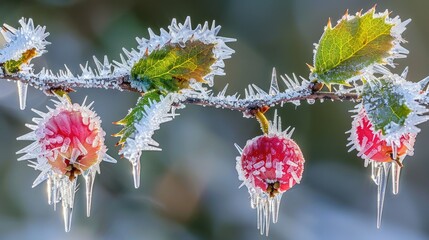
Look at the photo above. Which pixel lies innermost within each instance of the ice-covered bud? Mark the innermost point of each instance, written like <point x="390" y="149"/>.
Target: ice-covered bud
<point x="269" y="165"/>
<point x="68" y="142"/>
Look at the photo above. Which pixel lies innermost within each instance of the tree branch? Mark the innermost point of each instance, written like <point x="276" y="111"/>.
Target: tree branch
<point x="122" y="83"/>
<point x="247" y="105"/>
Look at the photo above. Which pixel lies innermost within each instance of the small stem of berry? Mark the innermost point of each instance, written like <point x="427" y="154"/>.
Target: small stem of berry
<point x="62" y="93"/>
<point x="262" y="120"/>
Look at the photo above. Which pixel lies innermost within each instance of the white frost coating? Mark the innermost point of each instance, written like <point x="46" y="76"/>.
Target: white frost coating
<point x="22" y="39"/>
<point x="180" y="34"/>
<point x="59" y="187"/>
<point x="154" y="114"/>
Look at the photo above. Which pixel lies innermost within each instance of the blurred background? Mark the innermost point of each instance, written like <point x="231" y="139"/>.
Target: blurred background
<point x="190" y="189"/>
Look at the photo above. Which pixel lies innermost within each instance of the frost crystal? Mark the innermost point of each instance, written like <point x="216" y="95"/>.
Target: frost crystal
<point x="22" y="39"/>
<point x="68" y="142"/>
<point x="295" y="89"/>
<point x="154" y="114"/>
<point x="269" y="165"/>
<point x="14" y="42"/>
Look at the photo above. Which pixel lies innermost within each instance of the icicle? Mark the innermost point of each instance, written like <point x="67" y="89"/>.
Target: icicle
<point x="89" y="183"/>
<point x="374" y="172"/>
<point x="67" y="215"/>
<point x="55" y="192"/>
<point x="49" y="190"/>
<point x="136" y="171"/>
<point x="382" y="177"/>
<point x="22" y="94"/>
<point x="267" y="216"/>
<point x="67" y="194"/>
<point x="396" y="174"/>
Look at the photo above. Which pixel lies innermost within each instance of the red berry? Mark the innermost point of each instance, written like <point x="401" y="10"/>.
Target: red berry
<point x="269" y="165"/>
<point x="371" y="145"/>
<point x="68" y="142"/>
<point x="72" y="145"/>
<point x="272" y="163"/>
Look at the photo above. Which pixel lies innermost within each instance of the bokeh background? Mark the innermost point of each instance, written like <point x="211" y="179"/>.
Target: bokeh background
<point x="190" y="189"/>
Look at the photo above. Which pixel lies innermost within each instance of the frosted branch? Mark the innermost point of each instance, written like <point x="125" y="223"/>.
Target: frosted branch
<point x="66" y="81"/>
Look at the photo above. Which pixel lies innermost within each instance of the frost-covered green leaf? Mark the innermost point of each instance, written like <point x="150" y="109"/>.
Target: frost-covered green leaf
<point x="136" y="114"/>
<point x="356" y="43"/>
<point x="153" y="109"/>
<point x="172" y="67"/>
<point x="386" y="106"/>
<point x="393" y="105"/>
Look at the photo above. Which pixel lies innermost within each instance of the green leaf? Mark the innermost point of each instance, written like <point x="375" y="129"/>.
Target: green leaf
<point x="385" y="105"/>
<point x="352" y="45"/>
<point x="14" y="66"/>
<point x="172" y="67"/>
<point x="136" y="115"/>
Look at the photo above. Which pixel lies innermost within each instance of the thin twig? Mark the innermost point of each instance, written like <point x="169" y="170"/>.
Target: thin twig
<point x="122" y="83"/>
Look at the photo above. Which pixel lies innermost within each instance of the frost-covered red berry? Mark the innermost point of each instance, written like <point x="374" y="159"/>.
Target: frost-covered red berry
<point x="68" y="142"/>
<point x="269" y="165"/>
<point x="272" y="163"/>
<point x="371" y="145"/>
<point x="384" y="154"/>
<point x="72" y="140"/>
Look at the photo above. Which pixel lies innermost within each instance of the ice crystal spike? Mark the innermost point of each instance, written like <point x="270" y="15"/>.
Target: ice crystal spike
<point x="68" y="142"/>
<point x="22" y="94"/>
<point x="274" y="86"/>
